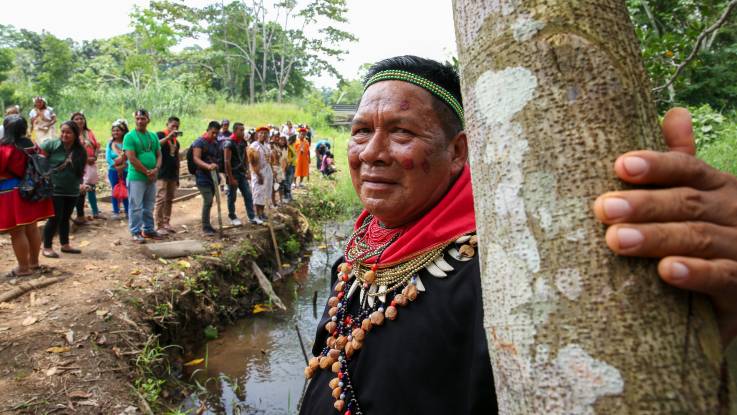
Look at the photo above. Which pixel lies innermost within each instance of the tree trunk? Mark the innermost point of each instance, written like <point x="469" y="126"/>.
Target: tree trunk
<point x="554" y="91"/>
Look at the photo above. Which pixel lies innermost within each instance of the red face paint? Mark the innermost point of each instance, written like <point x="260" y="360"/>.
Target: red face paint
<point x="404" y="105"/>
<point x="408" y="164"/>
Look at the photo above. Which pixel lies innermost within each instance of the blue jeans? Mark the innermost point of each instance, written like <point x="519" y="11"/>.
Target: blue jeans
<point x="141" y="198"/>
<point x="287" y="183"/>
<point x="245" y="189"/>
<point x="112" y="175"/>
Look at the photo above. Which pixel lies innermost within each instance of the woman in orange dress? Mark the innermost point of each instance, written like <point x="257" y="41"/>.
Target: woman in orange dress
<point x="18" y="216"/>
<point x="302" y="146"/>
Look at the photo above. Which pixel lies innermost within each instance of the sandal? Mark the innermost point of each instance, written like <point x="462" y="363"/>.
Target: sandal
<point x="41" y="268"/>
<point x="71" y="251"/>
<point x="49" y="254"/>
<point x="13" y="273"/>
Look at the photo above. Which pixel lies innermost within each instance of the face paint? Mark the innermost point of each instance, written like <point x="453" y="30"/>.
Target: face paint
<point x="408" y="164"/>
<point x="404" y="105"/>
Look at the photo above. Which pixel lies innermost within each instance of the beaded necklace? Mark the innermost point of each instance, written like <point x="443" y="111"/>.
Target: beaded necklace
<point x="347" y="331"/>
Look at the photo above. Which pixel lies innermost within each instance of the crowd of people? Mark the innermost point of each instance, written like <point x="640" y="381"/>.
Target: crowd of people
<point x="264" y="164"/>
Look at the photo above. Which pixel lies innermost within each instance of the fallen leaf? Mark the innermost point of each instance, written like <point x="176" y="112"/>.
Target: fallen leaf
<point x="52" y="371"/>
<point x="102" y="312"/>
<point x="194" y="362"/>
<point x="28" y="321"/>
<point x="184" y="264"/>
<point x="117" y="353"/>
<point x="58" y="349"/>
<point x="163" y="261"/>
<point x="4" y="328"/>
<point x="79" y="395"/>
<point x="136" y="272"/>
<point x="69" y="336"/>
<point x="84" y="243"/>
<point x="216" y="245"/>
<point x="260" y="308"/>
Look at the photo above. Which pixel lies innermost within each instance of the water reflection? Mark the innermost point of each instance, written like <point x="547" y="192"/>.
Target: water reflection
<point x="256" y="366"/>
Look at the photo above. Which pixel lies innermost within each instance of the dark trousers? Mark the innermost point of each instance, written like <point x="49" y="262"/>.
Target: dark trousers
<point x="287" y="183"/>
<point x="207" y="192"/>
<point x="63" y="208"/>
<point x="245" y="189"/>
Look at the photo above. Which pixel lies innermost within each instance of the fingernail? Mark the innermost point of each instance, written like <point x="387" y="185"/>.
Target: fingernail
<point x="628" y="237"/>
<point x="635" y="166"/>
<point x="678" y="271"/>
<point x="615" y="208"/>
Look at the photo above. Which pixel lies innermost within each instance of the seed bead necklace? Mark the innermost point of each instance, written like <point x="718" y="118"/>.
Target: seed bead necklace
<point x="347" y="331"/>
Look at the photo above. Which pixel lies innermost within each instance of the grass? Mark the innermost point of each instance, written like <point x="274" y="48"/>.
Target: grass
<point x="329" y="199"/>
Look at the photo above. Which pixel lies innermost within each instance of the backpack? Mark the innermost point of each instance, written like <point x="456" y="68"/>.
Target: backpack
<point x="36" y="182"/>
<point x="191" y="166"/>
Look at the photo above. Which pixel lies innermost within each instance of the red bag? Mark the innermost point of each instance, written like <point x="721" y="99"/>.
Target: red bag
<point x="120" y="192"/>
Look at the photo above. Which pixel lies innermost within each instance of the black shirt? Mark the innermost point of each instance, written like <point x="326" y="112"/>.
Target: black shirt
<point x="433" y="359"/>
<point x="169" y="159"/>
<point x="237" y="155"/>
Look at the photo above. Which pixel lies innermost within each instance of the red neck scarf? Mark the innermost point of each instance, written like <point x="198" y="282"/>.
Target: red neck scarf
<point x="447" y="221"/>
<point x="173" y="139"/>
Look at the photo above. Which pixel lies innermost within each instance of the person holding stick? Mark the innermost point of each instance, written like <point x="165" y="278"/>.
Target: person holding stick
<point x="205" y="154"/>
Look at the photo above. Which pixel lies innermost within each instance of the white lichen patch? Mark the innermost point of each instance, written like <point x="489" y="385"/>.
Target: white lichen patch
<point x="584" y="380"/>
<point x="525" y="27"/>
<point x="502" y="94"/>
<point x="569" y="282"/>
<point x="516" y="301"/>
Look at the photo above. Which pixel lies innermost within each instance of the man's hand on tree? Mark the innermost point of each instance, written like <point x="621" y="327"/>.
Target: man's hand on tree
<point x="689" y="221"/>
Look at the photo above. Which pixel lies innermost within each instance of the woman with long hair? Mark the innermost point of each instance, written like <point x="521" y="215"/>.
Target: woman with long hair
<point x="68" y="158"/>
<point x="117" y="163"/>
<point x="43" y="120"/>
<point x="18" y="216"/>
<point x="90" y="178"/>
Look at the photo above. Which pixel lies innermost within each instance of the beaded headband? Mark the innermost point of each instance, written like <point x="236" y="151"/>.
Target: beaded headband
<point x="432" y="87"/>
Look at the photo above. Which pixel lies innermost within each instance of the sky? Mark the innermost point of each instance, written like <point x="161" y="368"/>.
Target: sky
<point x="384" y="28"/>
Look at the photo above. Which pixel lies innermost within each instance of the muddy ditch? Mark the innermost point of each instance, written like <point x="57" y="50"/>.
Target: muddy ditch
<point x="210" y="293"/>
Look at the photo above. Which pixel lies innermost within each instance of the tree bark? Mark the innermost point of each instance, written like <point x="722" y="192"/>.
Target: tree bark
<point x="554" y="91"/>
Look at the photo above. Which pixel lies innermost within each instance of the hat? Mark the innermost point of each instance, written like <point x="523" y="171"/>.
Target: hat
<point x="262" y="128"/>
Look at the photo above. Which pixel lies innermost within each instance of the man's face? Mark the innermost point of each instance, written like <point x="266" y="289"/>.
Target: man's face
<point x="240" y="132"/>
<point x="141" y="122"/>
<point x="173" y="126"/>
<point x="211" y="134"/>
<point x="225" y="126"/>
<point x="401" y="161"/>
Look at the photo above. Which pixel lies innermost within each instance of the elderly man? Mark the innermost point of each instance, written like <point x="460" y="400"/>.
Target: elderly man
<point x="412" y="251"/>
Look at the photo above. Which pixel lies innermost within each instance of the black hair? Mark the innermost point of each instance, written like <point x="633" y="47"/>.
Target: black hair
<point x="442" y="74"/>
<point x="81" y="114"/>
<point x="213" y="124"/>
<point x="172" y="119"/>
<point x="79" y="154"/>
<point x="225" y="121"/>
<point x="142" y="112"/>
<point x="238" y="124"/>
<point x="14" y="127"/>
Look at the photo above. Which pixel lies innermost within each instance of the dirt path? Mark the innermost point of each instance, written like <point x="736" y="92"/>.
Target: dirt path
<point x="65" y="348"/>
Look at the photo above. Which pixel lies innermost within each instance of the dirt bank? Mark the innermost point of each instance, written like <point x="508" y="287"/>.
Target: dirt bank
<point x="96" y="342"/>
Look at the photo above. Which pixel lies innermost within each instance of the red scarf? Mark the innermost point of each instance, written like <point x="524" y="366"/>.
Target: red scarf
<point x="235" y="138"/>
<point x="447" y="221"/>
<point x="173" y="139"/>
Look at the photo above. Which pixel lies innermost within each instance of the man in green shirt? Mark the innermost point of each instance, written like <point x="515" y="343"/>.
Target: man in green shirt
<point x="144" y="161"/>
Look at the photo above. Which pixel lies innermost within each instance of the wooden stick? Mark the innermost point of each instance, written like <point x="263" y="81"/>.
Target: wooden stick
<point x="266" y="286"/>
<point x="26" y="286"/>
<point x="216" y="189"/>
<point x="301" y="344"/>
<point x="273" y="237"/>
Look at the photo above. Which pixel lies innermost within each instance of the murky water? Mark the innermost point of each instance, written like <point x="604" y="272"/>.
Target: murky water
<point x="256" y="366"/>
